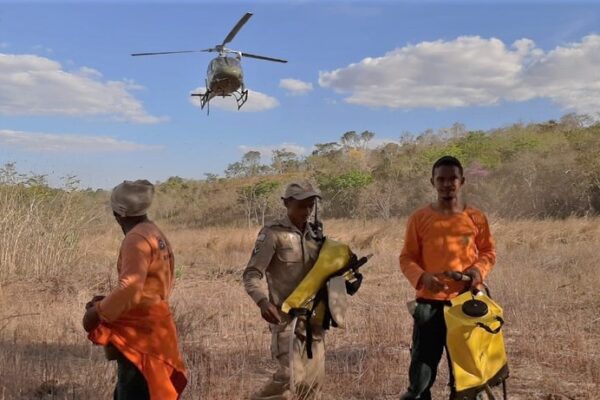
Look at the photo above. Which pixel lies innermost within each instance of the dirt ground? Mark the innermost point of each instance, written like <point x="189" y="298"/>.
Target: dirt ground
<point x="546" y="279"/>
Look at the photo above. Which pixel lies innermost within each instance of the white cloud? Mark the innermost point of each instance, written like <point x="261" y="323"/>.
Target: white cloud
<point x="50" y="142"/>
<point x="257" y="101"/>
<point x="295" y="86"/>
<point x="568" y="75"/>
<point x="471" y="70"/>
<point x="34" y="85"/>
<point x="267" y="151"/>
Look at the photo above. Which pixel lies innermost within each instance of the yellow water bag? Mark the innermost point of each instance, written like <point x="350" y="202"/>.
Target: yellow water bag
<point x="475" y="343"/>
<point x="333" y="257"/>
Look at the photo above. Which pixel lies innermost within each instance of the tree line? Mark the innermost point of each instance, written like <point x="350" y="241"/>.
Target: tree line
<point x="537" y="170"/>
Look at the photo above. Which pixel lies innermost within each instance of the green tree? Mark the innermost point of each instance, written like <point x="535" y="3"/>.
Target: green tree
<point x="234" y="170"/>
<point x="210" y="177"/>
<point x="284" y="161"/>
<point x="365" y="138"/>
<point x="326" y="149"/>
<point x="342" y="191"/>
<point x="9" y="174"/>
<point x="255" y="199"/>
<point x="174" y="183"/>
<point x="350" y="140"/>
<point x="251" y="163"/>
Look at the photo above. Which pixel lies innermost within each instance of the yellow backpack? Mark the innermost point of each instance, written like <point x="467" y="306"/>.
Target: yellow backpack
<point x="475" y="345"/>
<point x="333" y="256"/>
<point x="310" y="300"/>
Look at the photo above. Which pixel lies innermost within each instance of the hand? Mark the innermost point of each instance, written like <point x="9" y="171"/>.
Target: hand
<point x="269" y="312"/>
<point x="352" y="287"/>
<point x="91" y="319"/>
<point x="432" y="283"/>
<point x="95" y="299"/>
<point x="476" y="279"/>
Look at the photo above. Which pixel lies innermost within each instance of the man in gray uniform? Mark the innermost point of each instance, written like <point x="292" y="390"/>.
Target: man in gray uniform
<point x="285" y="251"/>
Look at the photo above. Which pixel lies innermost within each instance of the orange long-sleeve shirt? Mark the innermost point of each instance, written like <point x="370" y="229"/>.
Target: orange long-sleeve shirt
<point x="435" y="242"/>
<point x="135" y="316"/>
<point x="146" y="269"/>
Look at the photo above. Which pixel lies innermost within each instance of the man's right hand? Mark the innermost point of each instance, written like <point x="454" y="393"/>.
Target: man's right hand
<point x="94" y="300"/>
<point x="269" y="312"/>
<point x="432" y="283"/>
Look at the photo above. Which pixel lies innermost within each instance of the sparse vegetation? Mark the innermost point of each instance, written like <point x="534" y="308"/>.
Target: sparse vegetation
<point x="521" y="171"/>
<point x="540" y="183"/>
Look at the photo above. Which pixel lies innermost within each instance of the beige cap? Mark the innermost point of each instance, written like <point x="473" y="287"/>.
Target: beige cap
<point x="300" y="191"/>
<point x="132" y="199"/>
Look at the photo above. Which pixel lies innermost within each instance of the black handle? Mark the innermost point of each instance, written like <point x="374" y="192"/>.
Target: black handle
<point x="490" y="330"/>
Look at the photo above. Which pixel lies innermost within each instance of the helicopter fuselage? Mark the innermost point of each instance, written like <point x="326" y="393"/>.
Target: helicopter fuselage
<point x="224" y="76"/>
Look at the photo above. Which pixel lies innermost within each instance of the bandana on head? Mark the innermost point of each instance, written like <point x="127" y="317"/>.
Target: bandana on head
<point x="132" y="199"/>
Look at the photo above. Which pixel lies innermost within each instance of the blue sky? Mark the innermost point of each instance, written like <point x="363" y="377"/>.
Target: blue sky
<point x="72" y="100"/>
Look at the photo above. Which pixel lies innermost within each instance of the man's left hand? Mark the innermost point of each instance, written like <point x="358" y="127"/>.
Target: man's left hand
<point x="91" y="319"/>
<point x="476" y="279"/>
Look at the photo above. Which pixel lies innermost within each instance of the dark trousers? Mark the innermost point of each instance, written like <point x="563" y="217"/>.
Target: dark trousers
<point x="131" y="384"/>
<point x="428" y="342"/>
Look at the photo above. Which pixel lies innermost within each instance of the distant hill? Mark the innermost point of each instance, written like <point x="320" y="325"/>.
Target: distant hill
<point x="549" y="169"/>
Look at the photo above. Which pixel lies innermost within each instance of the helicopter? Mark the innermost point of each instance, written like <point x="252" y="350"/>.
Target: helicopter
<point x="224" y="76"/>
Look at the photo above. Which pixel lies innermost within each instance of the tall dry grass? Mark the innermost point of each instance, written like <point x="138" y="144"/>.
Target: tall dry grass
<point x="546" y="280"/>
<point x="40" y="232"/>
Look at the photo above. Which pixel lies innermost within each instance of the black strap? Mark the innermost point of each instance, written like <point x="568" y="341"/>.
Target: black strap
<point x="304" y="312"/>
<point x="490" y="330"/>
<point x="309" y="338"/>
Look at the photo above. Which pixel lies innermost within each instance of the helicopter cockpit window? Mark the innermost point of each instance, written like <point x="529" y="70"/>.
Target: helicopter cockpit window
<point x="232" y="62"/>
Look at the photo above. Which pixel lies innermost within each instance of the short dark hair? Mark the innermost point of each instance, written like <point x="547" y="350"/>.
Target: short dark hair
<point x="449" y="161"/>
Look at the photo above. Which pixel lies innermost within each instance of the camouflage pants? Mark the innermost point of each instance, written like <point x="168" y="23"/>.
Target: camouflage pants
<point x="308" y="374"/>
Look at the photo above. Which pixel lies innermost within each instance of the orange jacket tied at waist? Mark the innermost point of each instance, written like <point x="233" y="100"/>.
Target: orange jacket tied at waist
<point x="147" y="338"/>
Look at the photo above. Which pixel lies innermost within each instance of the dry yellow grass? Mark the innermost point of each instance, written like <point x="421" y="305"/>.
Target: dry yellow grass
<point x="546" y="279"/>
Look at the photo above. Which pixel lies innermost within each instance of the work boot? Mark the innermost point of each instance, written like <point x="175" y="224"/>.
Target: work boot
<point x="410" y="396"/>
<point x="273" y="390"/>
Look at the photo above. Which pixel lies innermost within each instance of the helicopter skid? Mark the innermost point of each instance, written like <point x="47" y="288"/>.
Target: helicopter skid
<point x="241" y="97"/>
<point x="204" y="98"/>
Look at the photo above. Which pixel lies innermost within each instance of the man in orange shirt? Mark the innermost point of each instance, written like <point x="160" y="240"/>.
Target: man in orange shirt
<point x="444" y="236"/>
<point x="134" y="322"/>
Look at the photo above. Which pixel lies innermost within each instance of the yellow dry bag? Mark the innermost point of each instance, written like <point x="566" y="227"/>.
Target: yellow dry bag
<point x="475" y="344"/>
<point x="333" y="257"/>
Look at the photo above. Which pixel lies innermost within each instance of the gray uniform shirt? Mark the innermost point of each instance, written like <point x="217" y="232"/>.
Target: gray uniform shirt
<point x="284" y="255"/>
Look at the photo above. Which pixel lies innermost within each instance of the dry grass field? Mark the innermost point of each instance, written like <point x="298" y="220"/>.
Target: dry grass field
<point x="547" y="279"/>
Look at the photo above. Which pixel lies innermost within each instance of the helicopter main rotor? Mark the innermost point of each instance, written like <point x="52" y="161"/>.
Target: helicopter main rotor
<point x="220" y="48"/>
<point x="236" y="28"/>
